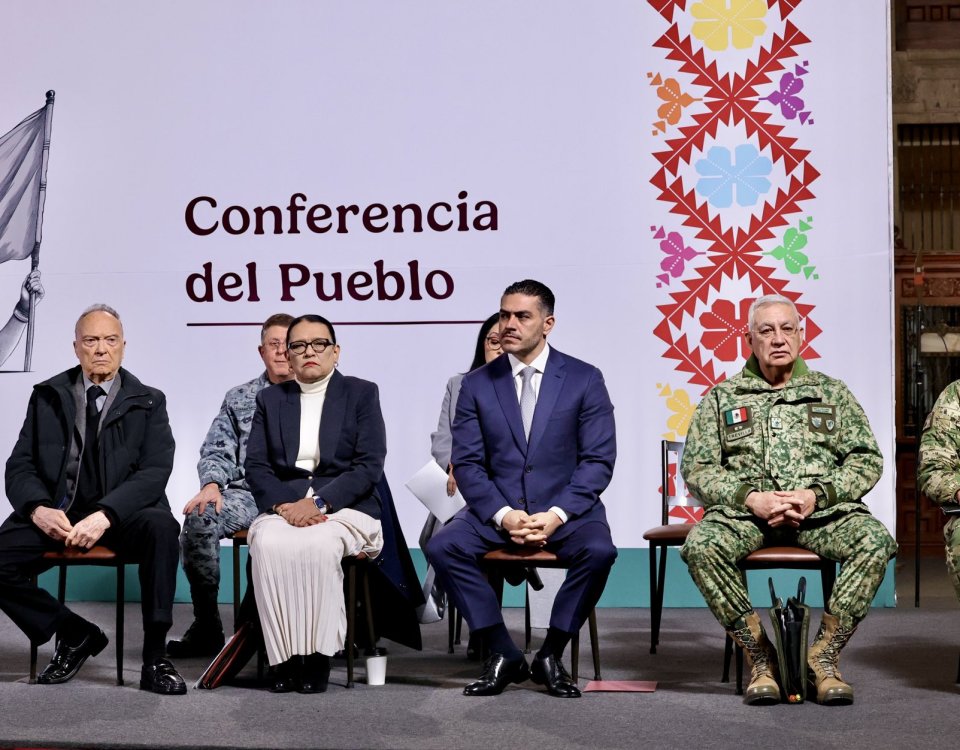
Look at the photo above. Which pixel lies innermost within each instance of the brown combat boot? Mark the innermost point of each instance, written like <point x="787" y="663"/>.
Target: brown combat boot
<point x="764" y="689"/>
<point x="823" y="659"/>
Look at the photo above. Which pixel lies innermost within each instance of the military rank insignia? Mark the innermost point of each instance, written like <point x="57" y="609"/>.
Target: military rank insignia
<point x="822" y="418"/>
<point x="738" y="422"/>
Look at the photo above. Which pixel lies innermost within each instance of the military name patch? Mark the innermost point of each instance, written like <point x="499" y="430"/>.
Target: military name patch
<point x="742" y="432"/>
<point x="822" y="418"/>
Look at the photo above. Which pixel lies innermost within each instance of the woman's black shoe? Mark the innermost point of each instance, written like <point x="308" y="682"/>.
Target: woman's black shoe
<point x="316" y="674"/>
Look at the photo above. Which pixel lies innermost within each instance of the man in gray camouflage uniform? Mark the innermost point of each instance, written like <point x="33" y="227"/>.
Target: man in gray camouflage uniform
<point x="940" y="468"/>
<point x="224" y="504"/>
<point x="780" y="454"/>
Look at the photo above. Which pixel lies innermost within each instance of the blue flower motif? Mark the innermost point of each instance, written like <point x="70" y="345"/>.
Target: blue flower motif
<point x="720" y="174"/>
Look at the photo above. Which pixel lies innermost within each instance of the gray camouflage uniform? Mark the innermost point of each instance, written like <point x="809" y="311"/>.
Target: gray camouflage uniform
<point x="221" y="462"/>
<point x="746" y="436"/>
<point x="940" y="468"/>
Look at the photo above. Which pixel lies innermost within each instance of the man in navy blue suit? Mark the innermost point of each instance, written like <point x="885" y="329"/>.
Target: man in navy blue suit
<point x="534" y="444"/>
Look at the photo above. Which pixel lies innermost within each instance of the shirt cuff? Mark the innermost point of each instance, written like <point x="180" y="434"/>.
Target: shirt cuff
<point x="498" y="516"/>
<point x="561" y="514"/>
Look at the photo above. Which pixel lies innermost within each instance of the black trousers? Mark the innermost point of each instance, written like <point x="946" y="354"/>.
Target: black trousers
<point x="149" y="537"/>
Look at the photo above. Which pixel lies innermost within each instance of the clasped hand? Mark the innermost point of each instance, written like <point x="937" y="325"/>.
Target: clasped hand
<point x="303" y="512"/>
<point x="84" y="534"/>
<point x="782" y="507"/>
<point x="531" y="530"/>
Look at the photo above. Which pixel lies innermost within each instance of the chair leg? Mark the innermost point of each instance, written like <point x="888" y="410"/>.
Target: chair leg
<point x="656" y="610"/>
<point x="452" y="623"/>
<point x="575" y="656"/>
<point x="368" y="609"/>
<point x="595" y="644"/>
<point x="236" y="585"/>
<point x="526" y="619"/>
<point x="351" y="619"/>
<point x="62" y="584"/>
<point x="727" y="655"/>
<point x="121" y="591"/>
<point x="459" y="626"/>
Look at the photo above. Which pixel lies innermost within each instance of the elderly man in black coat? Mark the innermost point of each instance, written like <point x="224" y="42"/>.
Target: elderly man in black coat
<point x="91" y="465"/>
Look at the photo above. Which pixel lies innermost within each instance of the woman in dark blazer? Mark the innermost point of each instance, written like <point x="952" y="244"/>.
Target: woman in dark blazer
<point x="314" y="458"/>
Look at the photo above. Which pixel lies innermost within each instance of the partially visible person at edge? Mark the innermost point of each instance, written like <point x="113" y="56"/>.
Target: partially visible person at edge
<point x="939" y="471"/>
<point x="224" y="504"/>
<point x="441" y="444"/>
<point x="90" y="466"/>
<point x="782" y="455"/>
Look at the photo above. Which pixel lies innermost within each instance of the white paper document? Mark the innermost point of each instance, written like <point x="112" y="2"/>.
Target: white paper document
<point x="430" y="487"/>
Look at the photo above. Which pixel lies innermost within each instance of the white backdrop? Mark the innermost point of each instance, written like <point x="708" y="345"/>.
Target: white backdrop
<point x="544" y="109"/>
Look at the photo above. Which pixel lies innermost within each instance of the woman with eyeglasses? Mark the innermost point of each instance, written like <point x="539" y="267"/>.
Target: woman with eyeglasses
<point x="314" y="458"/>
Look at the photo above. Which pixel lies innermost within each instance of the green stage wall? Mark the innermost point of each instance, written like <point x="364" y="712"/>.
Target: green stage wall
<point x="629" y="584"/>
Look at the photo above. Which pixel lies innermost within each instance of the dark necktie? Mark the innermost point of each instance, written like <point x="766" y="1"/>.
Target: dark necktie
<point x="88" y="482"/>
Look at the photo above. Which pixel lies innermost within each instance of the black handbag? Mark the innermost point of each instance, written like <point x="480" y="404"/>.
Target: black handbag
<point x="790" y="624"/>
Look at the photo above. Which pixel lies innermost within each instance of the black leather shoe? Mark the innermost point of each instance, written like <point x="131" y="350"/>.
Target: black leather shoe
<point x="316" y="674"/>
<point x="498" y="672"/>
<point x="162" y="677"/>
<point x="199" y="640"/>
<point x="67" y="660"/>
<point x="283" y="676"/>
<point x="549" y="671"/>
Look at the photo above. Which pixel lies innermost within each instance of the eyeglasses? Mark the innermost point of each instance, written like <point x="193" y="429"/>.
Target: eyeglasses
<point x="493" y="342"/>
<point x="277" y="346"/>
<point x="300" y="347"/>
<point x="768" y="332"/>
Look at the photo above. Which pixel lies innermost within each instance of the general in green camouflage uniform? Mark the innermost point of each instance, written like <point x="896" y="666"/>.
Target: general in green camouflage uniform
<point x="940" y="468"/>
<point x="802" y="435"/>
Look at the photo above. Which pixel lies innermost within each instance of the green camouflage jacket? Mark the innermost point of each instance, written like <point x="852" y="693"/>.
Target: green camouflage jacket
<point x="940" y="448"/>
<point x="747" y="435"/>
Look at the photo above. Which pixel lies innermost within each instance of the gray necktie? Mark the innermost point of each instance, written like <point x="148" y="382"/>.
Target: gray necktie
<point x="528" y="399"/>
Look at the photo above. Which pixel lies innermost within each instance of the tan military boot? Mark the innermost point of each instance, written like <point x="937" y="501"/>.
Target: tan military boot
<point x="823" y="659"/>
<point x="763" y="689"/>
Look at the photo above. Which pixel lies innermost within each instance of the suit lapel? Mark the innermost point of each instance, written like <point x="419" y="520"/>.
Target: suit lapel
<point x="551" y="383"/>
<point x="331" y="419"/>
<point x="290" y="423"/>
<point x="507" y="395"/>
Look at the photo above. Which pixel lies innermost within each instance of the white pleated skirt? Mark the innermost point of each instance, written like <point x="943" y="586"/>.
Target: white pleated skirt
<point x="298" y="579"/>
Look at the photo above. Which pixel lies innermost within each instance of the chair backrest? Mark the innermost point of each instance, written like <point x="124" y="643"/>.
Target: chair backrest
<point x="673" y="490"/>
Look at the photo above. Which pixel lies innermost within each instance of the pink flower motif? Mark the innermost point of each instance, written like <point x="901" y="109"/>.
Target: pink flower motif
<point x="723" y="330"/>
<point x="677" y="254"/>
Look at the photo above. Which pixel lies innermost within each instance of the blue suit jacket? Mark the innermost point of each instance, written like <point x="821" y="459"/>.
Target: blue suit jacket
<point x="353" y="446"/>
<point x="572" y="449"/>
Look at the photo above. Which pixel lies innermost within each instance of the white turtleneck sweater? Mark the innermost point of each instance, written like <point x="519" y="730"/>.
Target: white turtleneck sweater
<point x="312" y="396"/>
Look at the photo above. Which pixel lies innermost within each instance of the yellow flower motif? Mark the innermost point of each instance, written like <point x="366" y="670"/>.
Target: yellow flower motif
<point x="743" y="20"/>
<point x="678" y="402"/>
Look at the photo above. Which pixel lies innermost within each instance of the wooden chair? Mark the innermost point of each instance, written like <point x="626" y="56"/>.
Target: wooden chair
<point x="97" y="555"/>
<point x="673" y="494"/>
<point x="497" y="560"/>
<point x="352" y="566"/>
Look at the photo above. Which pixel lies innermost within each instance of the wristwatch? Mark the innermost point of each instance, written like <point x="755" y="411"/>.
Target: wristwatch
<point x="321" y="506"/>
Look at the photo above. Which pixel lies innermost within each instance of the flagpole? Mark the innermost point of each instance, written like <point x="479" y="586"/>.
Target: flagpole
<point x="35" y="255"/>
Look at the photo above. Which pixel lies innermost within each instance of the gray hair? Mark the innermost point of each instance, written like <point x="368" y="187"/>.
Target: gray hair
<point x="770" y="299"/>
<point x="99" y="307"/>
